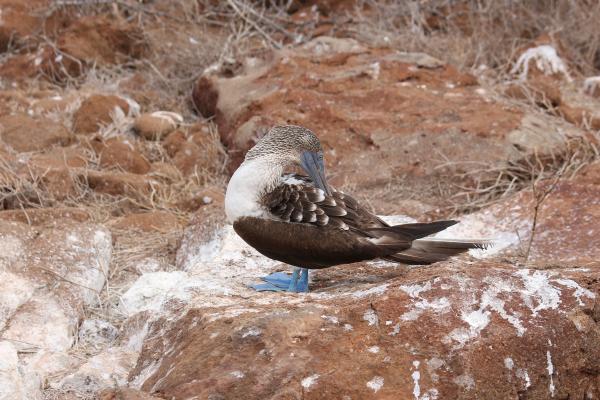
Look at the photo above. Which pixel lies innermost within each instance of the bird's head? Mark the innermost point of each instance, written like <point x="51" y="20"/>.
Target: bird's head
<point x="293" y="145"/>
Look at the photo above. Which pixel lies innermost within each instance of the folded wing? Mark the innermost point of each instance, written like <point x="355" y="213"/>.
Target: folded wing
<point x="297" y="201"/>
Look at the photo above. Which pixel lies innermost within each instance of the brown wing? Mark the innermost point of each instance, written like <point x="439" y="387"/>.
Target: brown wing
<point x="314" y="230"/>
<point x="301" y="202"/>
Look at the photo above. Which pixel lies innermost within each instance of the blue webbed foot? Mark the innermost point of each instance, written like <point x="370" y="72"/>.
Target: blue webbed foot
<point x="283" y="282"/>
<point x="267" y="287"/>
<point x="279" y="279"/>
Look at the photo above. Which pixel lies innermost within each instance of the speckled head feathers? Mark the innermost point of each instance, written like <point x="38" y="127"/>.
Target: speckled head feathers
<point x="285" y="141"/>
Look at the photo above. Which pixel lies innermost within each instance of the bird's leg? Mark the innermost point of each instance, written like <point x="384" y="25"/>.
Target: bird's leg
<point x="283" y="282"/>
<point x="303" y="283"/>
<point x="293" y="287"/>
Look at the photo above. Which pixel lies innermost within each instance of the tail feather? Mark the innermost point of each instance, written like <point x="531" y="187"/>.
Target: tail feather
<point x="420" y="230"/>
<point x="428" y="251"/>
<point x="410" y="232"/>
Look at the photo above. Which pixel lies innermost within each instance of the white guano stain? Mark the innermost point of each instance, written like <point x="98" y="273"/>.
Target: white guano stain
<point x="375" y="384"/>
<point x="431" y="394"/>
<point x="237" y="374"/>
<point x="440" y="305"/>
<point x="550" y="369"/>
<point x="251" y="332"/>
<point x="376" y="290"/>
<point x="509" y="363"/>
<point x="309" y="381"/>
<point x="465" y="381"/>
<point x="395" y="330"/>
<point x="538" y="291"/>
<point x="373" y="349"/>
<point x="538" y="288"/>
<point x="371" y="317"/>
<point x="416" y="376"/>
<point x="415" y="290"/>
<point x="477" y="320"/>
<point x="579" y="291"/>
<point x="522" y="373"/>
<point x="330" y="318"/>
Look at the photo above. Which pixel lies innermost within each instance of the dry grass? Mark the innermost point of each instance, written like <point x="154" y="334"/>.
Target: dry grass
<point x="492" y="182"/>
<point x="472" y="33"/>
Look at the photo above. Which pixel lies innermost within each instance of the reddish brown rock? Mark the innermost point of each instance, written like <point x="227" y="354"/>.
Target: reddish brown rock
<point x="59" y="183"/>
<point x="197" y="152"/>
<point x="51" y="104"/>
<point x="121" y="154"/>
<point x="566" y="232"/>
<point x="174" y="142"/>
<point x="186" y="159"/>
<point x="125" y="394"/>
<point x="21" y="21"/>
<point x="210" y="195"/>
<point x="91" y="40"/>
<point x="115" y="183"/>
<point x="541" y="91"/>
<point x="96" y="111"/>
<point x="165" y="171"/>
<point x="580" y="116"/>
<point x="153" y="126"/>
<point x="57" y="158"/>
<point x="513" y="332"/>
<point x="99" y="39"/>
<point x="153" y="221"/>
<point x="21" y="67"/>
<point x="23" y="133"/>
<point x="45" y="216"/>
<point x="56" y="172"/>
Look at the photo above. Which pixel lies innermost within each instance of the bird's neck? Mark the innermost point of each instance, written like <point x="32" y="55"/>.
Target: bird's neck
<point x="250" y="181"/>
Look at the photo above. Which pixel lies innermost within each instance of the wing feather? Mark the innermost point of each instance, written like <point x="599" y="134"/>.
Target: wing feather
<point x="297" y="200"/>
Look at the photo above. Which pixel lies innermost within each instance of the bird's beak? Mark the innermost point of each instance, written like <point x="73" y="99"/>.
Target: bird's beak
<point x="312" y="163"/>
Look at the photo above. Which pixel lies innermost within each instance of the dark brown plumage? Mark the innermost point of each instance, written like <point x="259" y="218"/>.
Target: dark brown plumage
<point x="314" y="230"/>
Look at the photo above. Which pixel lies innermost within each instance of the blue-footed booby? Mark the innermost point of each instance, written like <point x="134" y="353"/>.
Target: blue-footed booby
<point x="302" y="221"/>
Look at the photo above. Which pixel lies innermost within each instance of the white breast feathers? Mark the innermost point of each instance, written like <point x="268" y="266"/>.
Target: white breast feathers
<point x="249" y="181"/>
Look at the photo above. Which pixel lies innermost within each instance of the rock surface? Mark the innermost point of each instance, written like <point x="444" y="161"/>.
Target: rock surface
<point x="22" y="133"/>
<point x="157" y="124"/>
<point x="98" y="110"/>
<point x="120" y="154"/>
<point x="420" y="335"/>
<point x="50" y="273"/>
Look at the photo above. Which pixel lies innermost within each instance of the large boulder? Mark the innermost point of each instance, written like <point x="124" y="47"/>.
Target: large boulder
<point x="482" y="330"/>
<point x="50" y="271"/>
